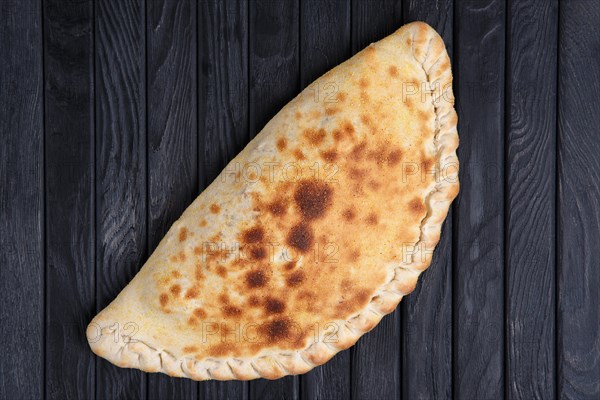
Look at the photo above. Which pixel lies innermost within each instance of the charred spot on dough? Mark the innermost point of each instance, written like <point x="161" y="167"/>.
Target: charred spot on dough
<point x="214" y="208"/>
<point x="373" y="184"/>
<point x="341" y="96"/>
<point x="348" y="214"/>
<point x="315" y="136"/>
<point x="276" y="330"/>
<point x="198" y="274"/>
<point x="281" y="144"/>
<point x="253" y="235"/>
<point x="256" y="279"/>
<point x="393" y="71"/>
<point x="329" y="155"/>
<point x="274" y="306"/>
<point x="192" y="321"/>
<point x="199" y="313"/>
<point x="295" y="279"/>
<point x="357" y="151"/>
<point x="372" y="219"/>
<point x="231" y="311"/>
<point x="313" y="198"/>
<point x="163" y="299"/>
<point x="175" y="290"/>
<point x="191" y="293"/>
<point x="190" y="349"/>
<point x="357" y="174"/>
<point x="258" y="252"/>
<point x="416" y="206"/>
<point x="183" y="232"/>
<point x="300" y="237"/>
<point x="299" y="155"/>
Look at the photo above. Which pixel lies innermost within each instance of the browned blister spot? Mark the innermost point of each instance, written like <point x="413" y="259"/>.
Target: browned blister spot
<point x="357" y="152"/>
<point x="214" y="208"/>
<point x="175" y="290"/>
<point x="258" y="253"/>
<point x="394" y="157"/>
<point x="203" y="223"/>
<point x="163" y="299"/>
<point x="277" y="207"/>
<point x="416" y="206"/>
<point x="295" y="279"/>
<point x="231" y="311"/>
<point x="191" y="293"/>
<point x="281" y="144"/>
<point x="176" y="274"/>
<point x="198" y="273"/>
<point x="313" y="198"/>
<point x="298" y="115"/>
<point x="372" y="219"/>
<point x="253" y="301"/>
<point x="290" y="265"/>
<point x="299" y="155"/>
<point x="199" y="313"/>
<point x="183" y="233"/>
<point x="300" y="237"/>
<point x="315" y="136"/>
<point x="255" y="279"/>
<point x="274" y="306"/>
<point x="276" y="330"/>
<point x="222" y="271"/>
<point x="341" y="96"/>
<point x="348" y="214"/>
<point x="393" y="71"/>
<point x="363" y="82"/>
<point x="253" y="235"/>
<point x="331" y="110"/>
<point x="329" y="155"/>
<point x="190" y="349"/>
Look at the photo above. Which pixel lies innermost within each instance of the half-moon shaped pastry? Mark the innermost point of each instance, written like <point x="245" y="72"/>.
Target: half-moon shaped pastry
<point x="313" y="233"/>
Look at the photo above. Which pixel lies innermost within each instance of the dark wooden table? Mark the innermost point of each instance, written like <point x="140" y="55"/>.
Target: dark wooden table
<point x="114" y="114"/>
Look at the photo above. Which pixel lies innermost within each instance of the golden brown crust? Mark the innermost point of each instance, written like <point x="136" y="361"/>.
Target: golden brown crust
<point x="218" y="300"/>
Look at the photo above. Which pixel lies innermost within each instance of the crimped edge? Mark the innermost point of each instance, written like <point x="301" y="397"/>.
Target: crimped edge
<point x="429" y="51"/>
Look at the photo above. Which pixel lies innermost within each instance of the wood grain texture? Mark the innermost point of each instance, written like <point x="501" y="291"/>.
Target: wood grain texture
<point x="427" y="312"/>
<point x="223" y="112"/>
<point x="70" y="230"/>
<point x="478" y="281"/>
<point x="530" y="199"/>
<point x="21" y="201"/>
<point x="376" y="358"/>
<point x="121" y="230"/>
<point x="320" y="20"/>
<point x="578" y="201"/>
<point x="172" y="136"/>
<point x="274" y="77"/>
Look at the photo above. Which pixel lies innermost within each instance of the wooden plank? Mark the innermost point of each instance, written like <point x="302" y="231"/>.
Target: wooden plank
<point x="376" y="356"/>
<point x="172" y="136"/>
<point x="223" y="112"/>
<point x="578" y="201"/>
<point x="274" y="80"/>
<point x="21" y="201"/>
<point x="427" y="312"/>
<point x="530" y="196"/>
<point x="70" y="230"/>
<point x="319" y="20"/>
<point x="478" y="282"/>
<point x="121" y="230"/>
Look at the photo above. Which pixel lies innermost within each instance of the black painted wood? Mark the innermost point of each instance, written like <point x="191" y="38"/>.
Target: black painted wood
<point x="578" y="218"/>
<point x="376" y="358"/>
<point x="427" y="312"/>
<point x="274" y="78"/>
<point x="530" y="199"/>
<point x="172" y="136"/>
<point x="115" y="114"/>
<point x="21" y="201"/>
<point x="121" y="186"/>
<point x="319" y="20"/>
<point x="70" y="229"/>
<point x="223" y="112"/>
<point x="478" y="267"/>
